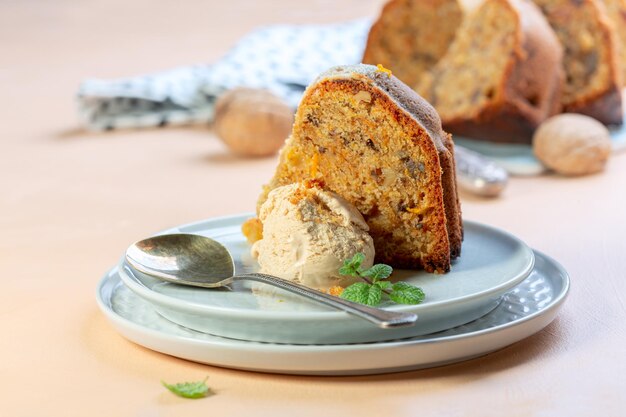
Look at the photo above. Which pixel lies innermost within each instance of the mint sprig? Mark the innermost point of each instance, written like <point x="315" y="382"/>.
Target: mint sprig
<point x="189" y="389"/>
<point x="375" y="285"/>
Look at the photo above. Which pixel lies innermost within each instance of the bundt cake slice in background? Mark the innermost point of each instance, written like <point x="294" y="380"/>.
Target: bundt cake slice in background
<point x="371" y="139"/>
<point x="616" y="11"/>
<point x="501" y="76"/>
<point x="410" y="36"/>
<point x="593" y="78"/>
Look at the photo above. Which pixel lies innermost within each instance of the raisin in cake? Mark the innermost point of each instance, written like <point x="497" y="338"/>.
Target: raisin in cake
<point x="502" y="75"/>
<point x="593" y="79"/>
<point x="371" y="139"/>
<point x="410" y="36"/>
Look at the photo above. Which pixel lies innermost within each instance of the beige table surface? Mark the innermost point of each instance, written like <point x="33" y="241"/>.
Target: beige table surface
<point x="70" y="202"/>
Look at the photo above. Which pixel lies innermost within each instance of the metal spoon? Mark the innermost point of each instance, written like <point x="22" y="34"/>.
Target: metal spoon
<point x="200" y="261"/>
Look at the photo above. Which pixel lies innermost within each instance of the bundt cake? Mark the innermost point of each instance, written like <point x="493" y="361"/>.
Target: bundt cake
<point x="501" y="76"/>
<point x="410" y="36"/>
<point x="371" y="139"/>
<point x="616" y="11"/>
<point x="593" y="79"/>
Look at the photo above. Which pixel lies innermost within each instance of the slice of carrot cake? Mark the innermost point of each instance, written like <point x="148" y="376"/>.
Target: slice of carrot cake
<point x="371" y="139"/>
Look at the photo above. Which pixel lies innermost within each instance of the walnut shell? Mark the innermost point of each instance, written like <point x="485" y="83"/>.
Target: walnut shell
<point x="252" y="122"/>
<point x="572" y="144"/>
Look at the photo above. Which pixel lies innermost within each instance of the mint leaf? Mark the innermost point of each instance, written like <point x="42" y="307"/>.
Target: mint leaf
<point x="357" y="292"/>
<point x="374" y="295"/>
<point x="405" y="293"/>
<point x="378" y="272"/>
<point x="351" y="266"/>
<point x="363" y="293"/>
<point x="384" y="285"/>
<point x="189" y="389"/>
<point x="347" y="270"/>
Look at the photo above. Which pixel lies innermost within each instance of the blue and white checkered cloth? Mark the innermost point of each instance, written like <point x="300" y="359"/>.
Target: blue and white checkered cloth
<point x="283" y="59"/>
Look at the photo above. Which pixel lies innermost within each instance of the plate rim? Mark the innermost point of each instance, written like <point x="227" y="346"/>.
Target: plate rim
<point x="127" y="276"/>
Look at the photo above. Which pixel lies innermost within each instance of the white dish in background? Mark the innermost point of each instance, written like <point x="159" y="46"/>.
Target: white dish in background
<point x="519" y="160"/>
<point x="524" y="310"/>
<point x="492" y="262"/>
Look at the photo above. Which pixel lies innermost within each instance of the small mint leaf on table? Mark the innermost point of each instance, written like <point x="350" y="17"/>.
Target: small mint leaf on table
<point x="378" y="272"/>
<point x="193" y="390"/>
<point x="363" y="293"/>
<point x="405" y="293"/>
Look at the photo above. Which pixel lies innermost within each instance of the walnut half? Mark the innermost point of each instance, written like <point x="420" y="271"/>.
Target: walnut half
<point x="572" y="144"/>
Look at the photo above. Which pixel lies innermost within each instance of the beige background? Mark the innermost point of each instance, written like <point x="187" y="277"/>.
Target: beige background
<point x="71" y="201"/>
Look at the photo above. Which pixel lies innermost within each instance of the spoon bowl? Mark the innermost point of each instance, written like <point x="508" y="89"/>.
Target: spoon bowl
<point x="183" y="259"/>
<point x="199" y="261"/>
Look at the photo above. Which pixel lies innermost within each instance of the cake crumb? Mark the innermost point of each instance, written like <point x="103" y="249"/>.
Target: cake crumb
<point x="383" y="69"/>
<point x="252" y="229"/>
<point x="336" y="290"/>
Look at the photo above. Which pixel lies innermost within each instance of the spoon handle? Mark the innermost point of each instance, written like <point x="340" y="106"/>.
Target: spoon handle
<point x="382" y="318"/>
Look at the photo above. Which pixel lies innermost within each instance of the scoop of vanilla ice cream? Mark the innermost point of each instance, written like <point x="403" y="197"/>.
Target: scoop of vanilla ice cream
<point x="308" y="233"/>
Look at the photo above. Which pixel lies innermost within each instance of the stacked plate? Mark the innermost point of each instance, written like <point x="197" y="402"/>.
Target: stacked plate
<point x="498" y="292"/>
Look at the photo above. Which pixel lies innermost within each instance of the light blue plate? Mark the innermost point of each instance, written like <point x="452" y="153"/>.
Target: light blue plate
<point x="492" y="262"/>
<point x="524" y="310"/>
